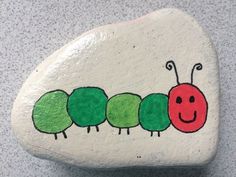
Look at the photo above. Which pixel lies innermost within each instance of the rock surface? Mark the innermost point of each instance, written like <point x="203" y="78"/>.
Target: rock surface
<point x="131" y="58"/>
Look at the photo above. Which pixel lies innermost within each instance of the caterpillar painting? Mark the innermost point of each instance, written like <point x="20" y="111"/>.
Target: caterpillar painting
<point x="185" y="107"/>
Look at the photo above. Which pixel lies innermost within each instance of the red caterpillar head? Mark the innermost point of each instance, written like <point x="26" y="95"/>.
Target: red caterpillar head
<point x="187" y="104"/>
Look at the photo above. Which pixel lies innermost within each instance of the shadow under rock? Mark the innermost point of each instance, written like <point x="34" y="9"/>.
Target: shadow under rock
<point x="72" y="171"/>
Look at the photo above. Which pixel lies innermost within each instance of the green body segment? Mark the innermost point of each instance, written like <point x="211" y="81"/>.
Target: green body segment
<point x="122" y="110"/>
<point x="50" y="114"/>
<point x="87" y="106"/>
<point x="153" y="112"/>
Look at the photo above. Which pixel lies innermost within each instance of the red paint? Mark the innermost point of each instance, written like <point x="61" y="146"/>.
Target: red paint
<point x="187" y="114"/>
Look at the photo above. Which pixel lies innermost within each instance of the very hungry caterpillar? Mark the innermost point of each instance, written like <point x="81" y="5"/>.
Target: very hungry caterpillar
<point x="185" y="108"/>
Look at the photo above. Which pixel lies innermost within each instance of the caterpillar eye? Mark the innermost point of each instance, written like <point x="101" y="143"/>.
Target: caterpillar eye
<point x="178" y="100"/>
<point x="191" y="99"/>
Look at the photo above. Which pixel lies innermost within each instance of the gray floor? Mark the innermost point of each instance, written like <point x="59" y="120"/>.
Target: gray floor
<point x="30" y="31"/>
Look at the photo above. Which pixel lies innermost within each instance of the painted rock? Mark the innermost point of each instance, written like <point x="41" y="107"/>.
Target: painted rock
<point x="139" y="93"/>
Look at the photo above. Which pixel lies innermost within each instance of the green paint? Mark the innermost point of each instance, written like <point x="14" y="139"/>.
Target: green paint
<point x="122" y="110"/>
<point x="87" y="106"/>
<point x="50" y="114"/>
<point x="153" y="112"/>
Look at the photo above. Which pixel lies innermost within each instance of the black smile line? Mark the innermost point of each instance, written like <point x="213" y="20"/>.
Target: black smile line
<point x="188" y="121"/>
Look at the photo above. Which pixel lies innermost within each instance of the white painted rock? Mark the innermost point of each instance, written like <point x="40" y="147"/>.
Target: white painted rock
<point x="112" y="97"/>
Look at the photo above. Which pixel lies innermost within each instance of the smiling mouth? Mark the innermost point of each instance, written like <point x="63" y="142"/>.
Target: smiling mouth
<point x="188" y="121"/>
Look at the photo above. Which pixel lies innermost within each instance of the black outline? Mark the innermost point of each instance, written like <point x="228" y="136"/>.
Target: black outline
<point x="206" y="107"/>
<point x="88" y="126"/>
<point x="55" y="134"/>
<point x="120" y="128"/>
<point x="158" y="131"/>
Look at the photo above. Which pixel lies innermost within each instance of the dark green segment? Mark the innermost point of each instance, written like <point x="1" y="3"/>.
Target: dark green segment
<point x="87" y="106"/>
<point x="153" y="112"/>
<point x="122" y="110"/>
<point x="50" y="114"/>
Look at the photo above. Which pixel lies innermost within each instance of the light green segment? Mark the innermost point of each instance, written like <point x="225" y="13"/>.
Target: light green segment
<point x="153" y="113"/>
<point x="50" y="114"/>
<point x="122" y="110"/>
<point x="87" y="106"/>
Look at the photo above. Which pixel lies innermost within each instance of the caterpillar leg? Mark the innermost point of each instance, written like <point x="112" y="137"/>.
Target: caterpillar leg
<point x="88" y="129"/>
<point x="55" y="135"/>
<point x="64" y="134"/>
<point x="127" y="131"/>
<point x="151" y="133"/>
<point x="97" y="128"/>
<point x="119" y="131"/>
<point x="158" y="134"/>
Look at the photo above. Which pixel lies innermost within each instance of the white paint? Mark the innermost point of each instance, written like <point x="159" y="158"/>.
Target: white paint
<point x="105" y="57"/>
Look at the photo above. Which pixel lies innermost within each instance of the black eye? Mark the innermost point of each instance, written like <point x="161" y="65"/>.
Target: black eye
<point x="178" y="100"/>
<point x="191" y="99"/>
